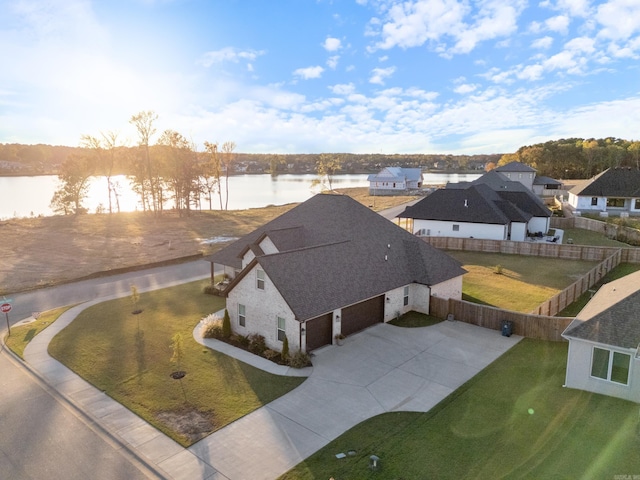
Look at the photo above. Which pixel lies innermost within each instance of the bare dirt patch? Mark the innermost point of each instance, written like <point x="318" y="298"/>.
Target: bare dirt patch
<point x="192" y="424"/>
<point x="39" y="252"/>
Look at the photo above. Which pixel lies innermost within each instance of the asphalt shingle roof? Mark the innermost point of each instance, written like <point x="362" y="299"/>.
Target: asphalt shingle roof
<point x="515" y="167"/>
<point x="348" y="254"/>
<point x="612" y="316"/>
<point x="614" y="182"/>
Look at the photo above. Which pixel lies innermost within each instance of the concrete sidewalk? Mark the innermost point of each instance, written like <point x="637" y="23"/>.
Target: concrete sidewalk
<point x="381" y="369"/>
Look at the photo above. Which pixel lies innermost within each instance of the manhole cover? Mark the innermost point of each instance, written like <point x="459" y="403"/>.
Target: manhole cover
<point x="178" y="375"/>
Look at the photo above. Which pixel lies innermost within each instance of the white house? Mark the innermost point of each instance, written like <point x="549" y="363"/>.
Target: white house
<point x="604" y="342"/>
<point x="395" y="180"/>
<point x="330" y="266"/>
<point x="491" y="207"/>
<point x="614" y="191"/>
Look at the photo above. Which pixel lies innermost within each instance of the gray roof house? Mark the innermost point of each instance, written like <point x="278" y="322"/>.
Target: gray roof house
<point x="615" y="191"/>
<point x="518" y="172"/>
<point x="329" y="266"/>
<point x="490" y="207"/>
<point x="395" y="180"/>
<point x="604" y="341"/>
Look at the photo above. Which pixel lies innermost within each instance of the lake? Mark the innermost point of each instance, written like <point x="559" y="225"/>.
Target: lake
<point x="31" y="196"/>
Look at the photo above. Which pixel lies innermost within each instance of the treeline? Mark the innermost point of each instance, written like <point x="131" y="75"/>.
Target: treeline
<point x="19" y="159"/>
<point x="574" y="158"/>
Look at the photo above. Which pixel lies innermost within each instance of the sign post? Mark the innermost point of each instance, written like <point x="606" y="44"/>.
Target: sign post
<point x="6" y="308"/>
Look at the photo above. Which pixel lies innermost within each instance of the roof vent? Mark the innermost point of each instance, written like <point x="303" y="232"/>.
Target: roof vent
<point x="385" y="258"/>
<point x="466" y="204"/>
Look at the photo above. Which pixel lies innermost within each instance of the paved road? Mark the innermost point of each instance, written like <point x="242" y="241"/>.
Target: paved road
<point x="24" y="304"/>
<point x="41" y="435"/>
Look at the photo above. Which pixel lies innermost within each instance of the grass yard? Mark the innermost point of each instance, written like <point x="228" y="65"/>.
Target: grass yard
<point x="21" y="335"/>
<point x="513" y="420"/>
<point x="129" y="357"/>
<point x="588" y="237"/>
<point x="525" y="282"/>
<point x="414" y="320"/>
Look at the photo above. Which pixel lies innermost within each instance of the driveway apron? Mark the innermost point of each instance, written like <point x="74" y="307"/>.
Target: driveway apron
<point x="382" y="369"/>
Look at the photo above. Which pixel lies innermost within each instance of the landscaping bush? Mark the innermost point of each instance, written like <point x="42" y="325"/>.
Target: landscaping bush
<point x="226" y="324"/>
<point x="271" y="355"/>
<point x="257" y="344"/>
<point x="299" y="359"/>
<point x="285" y="348"/>
<point x="241" y="340"/>
<point x="212" y="327"/>
<point x="210" y="289"/>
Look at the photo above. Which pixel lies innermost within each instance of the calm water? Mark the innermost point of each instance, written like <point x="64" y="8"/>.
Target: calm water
<point x="31" y="196"/>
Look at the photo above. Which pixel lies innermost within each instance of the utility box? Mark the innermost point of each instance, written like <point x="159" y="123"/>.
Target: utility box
<point x="507" y="328"/>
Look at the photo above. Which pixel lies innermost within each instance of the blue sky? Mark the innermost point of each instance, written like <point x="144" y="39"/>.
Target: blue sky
<point x="309" y="76"/>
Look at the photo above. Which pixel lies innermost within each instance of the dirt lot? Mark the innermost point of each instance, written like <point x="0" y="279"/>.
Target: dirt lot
<point x="38" y="252"/>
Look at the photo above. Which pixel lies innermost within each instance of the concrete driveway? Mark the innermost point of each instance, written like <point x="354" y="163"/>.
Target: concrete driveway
<point x="381" y="369"/>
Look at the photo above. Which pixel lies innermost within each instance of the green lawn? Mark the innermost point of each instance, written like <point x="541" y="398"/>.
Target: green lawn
<point x="128" y="356"/>
<point x="21" y="335"/>
<point x="513" y="420"/>
<point x="525" y="282"/>
<point x="414" y="319"/>
<point x="588" y="237"/>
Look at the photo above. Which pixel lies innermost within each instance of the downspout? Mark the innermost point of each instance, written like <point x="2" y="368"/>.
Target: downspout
<point x="300" y="335"/>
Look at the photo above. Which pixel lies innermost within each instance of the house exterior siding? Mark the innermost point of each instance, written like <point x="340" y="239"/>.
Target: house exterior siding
<point x="579" y="372"/>
<point x="452" y="288"/>
<point x="525" y="178"/>
<point x="538" y="224"/>
<point x="262" y="309"/>
<point x="438" y="228"/>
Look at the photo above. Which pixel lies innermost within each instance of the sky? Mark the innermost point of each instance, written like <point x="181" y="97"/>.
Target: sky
<point x="313" y="76"/>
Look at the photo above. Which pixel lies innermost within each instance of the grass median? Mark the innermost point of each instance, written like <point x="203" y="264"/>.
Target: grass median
<point x="129" y="357"/>
<point x="513" y="420"/>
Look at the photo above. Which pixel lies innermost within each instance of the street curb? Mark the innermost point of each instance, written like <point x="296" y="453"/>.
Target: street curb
<point x="144" y="465"/>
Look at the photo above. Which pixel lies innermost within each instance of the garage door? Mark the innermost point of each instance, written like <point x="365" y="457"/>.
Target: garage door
<point x="362" y="315"/>
<point x="318" y="331"/>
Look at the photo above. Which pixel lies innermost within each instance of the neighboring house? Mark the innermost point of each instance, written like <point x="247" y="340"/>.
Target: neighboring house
<point x="518" y="172"/>
<point x="395" y="180"/>
<point x="615" y="190"/>
<point x="542" y="185"/>
<point x="604" y="342"/>
<point x="491" y="207"/>
<point x="330" y="266"/>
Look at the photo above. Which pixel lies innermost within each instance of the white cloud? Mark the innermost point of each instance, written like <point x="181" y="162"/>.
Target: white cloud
<point x="620" y="19"/>
<point x="465" y="88"/>
<point x="343" y="89"/>
<point x="332" y="62"/>
<point x="378" y="75"/>
<point x="332" y="44"/>
<point x="559" y="24"/>
<point x="309" y="72"/>
<point x="543" y="43"/>
<point x="228" y="54"/>
<point x="415" y="23"/>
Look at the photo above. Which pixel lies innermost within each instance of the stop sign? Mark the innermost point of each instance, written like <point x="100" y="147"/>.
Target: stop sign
<point x="5" y="308"/>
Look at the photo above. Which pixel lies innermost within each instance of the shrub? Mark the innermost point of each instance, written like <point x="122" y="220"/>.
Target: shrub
<point x="211" y="327"/>
<point x="285" y="348"/>
<point x="299" y="359"/>
<point x="257" y="344"/>
<point x="241" y="340"/>
<point x="498" y="269"/>
<point x="270" y="354"/>
<point x="210" y="289"/>
<point x="226" y="324"/>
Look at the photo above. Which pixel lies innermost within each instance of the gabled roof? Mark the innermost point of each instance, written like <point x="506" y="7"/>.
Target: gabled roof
<point x="613" y="182"/>
<point x="411" y="174"/>
<point x="348" y="253"/>
<point x="546" y="181"/>
<point x="612" y="316"/>
<point x="515" y="167"/>
<point x="474" y="204"/>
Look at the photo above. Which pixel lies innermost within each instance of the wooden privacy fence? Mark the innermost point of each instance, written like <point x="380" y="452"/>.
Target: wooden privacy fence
<point x="538" y="249"/>
<point x="618" y="232"/>
<point x="570" y="294"/>
<point x="543" y="327"/>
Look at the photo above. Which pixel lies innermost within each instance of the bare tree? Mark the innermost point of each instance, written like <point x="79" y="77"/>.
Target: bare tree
<point x="326" y="167"/>
<point x="213" y="171"/>
<point x="228" y="159"/>
<point x="143" y="122"/>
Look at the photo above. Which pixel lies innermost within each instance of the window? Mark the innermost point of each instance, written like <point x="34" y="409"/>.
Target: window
<point x="456" y="228"/>
<point x="594" y="201"/>
<point x="405" y="300"/>
<point x="241" y="315"/>
<point x="637" y="204"/>
<point x="615" y="202"/>
<point x="610" y="365"/>
<point x="281" y="332"/>
<point x="260" y="279"/>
